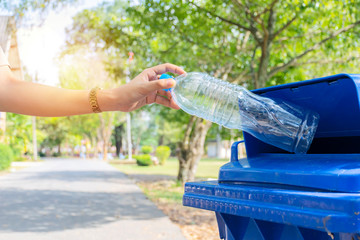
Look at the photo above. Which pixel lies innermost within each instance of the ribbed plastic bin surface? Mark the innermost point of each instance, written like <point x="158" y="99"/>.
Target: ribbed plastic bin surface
<point x="273" y="194"/>
<point x="275" y="212"/>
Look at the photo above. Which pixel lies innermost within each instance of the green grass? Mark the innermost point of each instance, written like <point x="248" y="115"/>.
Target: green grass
<point x="208" y="168"/>
<point x="170" y="194"/>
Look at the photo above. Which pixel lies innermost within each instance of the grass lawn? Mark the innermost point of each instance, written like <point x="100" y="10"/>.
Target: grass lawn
<point x="165" y="191"/>
<point x="208" y="168"/>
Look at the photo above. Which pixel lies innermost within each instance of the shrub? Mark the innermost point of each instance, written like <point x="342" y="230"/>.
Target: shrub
<point x="163" y="153"/>
<point x="143" y="160"/>
<point x="56" y="154"/>
<point x="41" y="154"/>
<point x="146" y="149"/>
<point x="6" y="156"/>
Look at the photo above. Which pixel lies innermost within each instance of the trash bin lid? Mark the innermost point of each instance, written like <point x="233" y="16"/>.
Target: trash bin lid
<point x="333" y="161"/>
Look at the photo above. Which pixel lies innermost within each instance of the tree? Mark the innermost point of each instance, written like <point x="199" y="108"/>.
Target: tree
<point x="20" y="9"/>
<point x="255" y="43"/>
<point x="251" y="42"/>
<point x="56" y="132"/>
<point x="81" y="68"/>
<point x="117" y="138"/>
<point x="18" y="133"/>
<point x="103" y="27"/>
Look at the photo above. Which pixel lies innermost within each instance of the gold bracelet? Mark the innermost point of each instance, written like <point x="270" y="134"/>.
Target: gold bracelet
<point x="5" y="65"/>
<point x="93" y="100"/>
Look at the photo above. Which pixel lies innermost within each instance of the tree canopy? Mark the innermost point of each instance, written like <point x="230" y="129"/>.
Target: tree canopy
<point x="253" y="43"/>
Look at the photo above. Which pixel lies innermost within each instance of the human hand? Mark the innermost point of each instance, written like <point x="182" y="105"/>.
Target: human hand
<point x="145" y="89"/>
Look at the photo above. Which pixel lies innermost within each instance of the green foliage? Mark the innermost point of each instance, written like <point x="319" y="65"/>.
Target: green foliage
<point x="56" y="130"/>
<point x="143" y="128"/>
<point x="36" y="8"/>
<point x="56" y="154"/>
<point x="163" y="153"/>
<point x="41" y="154"/>
<point x="6" y="156"/>
<point x="146" y="149"/>
<point x="253" y="43"/>
<point x="143" y="160"/>
<point x="225" y="133"/>
<point x="295" y="43"/>
<point x="82" y="68"/>
<point x="18" y="133"/>
<point x="155" y="125"/>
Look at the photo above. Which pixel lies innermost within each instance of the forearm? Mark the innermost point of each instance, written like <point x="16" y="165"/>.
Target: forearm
<point x="41" y="100"/>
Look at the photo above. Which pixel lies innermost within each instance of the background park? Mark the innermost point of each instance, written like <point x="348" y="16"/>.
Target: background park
<point x="107" y="43"/>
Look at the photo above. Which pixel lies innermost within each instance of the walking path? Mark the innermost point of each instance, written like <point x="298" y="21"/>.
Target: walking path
<point x="78" y="199"/>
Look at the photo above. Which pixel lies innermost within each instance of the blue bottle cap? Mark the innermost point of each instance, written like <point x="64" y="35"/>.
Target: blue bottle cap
<point x="166" y="76"/>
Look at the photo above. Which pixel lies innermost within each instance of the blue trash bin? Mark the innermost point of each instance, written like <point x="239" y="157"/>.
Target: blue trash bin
<point x="276" y="195"/>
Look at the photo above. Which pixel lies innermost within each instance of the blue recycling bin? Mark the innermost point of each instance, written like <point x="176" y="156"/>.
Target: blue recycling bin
<point x="276" y="195"/>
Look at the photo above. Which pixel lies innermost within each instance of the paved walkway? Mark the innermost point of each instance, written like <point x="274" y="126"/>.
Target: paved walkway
<point x="78" y="199"/>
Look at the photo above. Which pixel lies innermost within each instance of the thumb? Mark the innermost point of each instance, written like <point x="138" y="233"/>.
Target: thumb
<point x="160" y="84"/>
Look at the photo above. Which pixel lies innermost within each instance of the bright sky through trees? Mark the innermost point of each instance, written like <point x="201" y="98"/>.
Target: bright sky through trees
<point x="39" y="45"/>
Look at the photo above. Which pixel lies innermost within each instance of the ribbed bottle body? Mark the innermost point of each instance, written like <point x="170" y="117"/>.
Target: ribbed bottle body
<point x="209" y="98"/>
<point x="274" y="121"/>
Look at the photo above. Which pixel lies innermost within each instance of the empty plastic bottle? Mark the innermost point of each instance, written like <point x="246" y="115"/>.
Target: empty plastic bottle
<point x="274" y="121"/>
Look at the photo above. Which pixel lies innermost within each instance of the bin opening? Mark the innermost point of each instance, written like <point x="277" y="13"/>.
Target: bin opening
<point x="336" y="99"/>
<point x="327" y="145"/>
<point x="335" y="145"/>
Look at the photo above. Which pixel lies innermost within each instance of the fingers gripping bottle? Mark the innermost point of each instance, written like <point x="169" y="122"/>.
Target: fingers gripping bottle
<point x="274" y="121"/>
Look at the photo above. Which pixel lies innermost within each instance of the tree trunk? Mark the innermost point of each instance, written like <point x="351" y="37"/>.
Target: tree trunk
<point x="59" y="149"/>
<point x="161" y="133"/>
<point x="72" y="151"/>
<point x="105" y="150"/>
<point x="66" y="148"/>
<point x="136" y="144"/>
<point x="118" y="138"/>
<point x="94" y="144"/>
<point x="197" y="147"/>
<point x="183" y="163"/>
<point x="192" y="148"/>
<point x="262" y="76"/>
<point x="161" y="140"/>
<point x="87" y="149"/>
<point x="106" y="124"/>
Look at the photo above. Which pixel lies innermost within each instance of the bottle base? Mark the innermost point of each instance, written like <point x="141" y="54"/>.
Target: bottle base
<point x="306" y="133"/>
